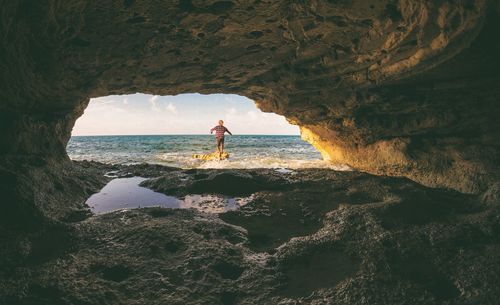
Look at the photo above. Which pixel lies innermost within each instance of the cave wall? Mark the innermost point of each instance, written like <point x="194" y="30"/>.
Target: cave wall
<point x="404" y="88"/>
<point x="438" y="127"/>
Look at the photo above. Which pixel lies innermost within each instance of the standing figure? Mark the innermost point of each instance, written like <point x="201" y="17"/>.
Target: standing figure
<point x="219" y="136"/>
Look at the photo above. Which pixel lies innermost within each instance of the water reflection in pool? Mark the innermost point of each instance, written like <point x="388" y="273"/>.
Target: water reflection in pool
<point x="125" y="193"/>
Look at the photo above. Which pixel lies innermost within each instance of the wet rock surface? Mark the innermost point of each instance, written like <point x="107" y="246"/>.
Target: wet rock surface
<point x="317" y="237"/>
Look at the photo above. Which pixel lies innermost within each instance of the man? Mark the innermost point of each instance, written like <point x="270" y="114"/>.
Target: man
<point x="219" y="136"/>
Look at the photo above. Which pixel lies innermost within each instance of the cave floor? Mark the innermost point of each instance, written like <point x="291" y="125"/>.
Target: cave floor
<point x="310" y="236"/>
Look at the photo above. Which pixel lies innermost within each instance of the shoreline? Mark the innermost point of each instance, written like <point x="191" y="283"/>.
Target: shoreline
<point x="247" y="151"/>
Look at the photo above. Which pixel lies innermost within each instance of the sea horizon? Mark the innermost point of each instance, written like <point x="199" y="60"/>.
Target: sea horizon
<point x="186" y="134"/>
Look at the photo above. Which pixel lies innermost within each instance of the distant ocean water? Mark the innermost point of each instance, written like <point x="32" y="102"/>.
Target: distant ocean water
<point x="246" y="151"/>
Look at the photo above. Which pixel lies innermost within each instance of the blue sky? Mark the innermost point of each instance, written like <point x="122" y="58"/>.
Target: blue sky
<point x="179" y="114"/>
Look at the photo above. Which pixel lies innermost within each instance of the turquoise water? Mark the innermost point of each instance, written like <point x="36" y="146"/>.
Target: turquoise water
<point x="246" y="151"/>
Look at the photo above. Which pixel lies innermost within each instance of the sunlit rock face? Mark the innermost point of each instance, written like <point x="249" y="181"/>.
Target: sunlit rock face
<point x="406" y="88"/>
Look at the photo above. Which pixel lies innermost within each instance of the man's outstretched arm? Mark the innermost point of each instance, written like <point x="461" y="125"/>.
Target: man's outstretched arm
<point x="227" y="130"/>
<point x="212" y="130"/>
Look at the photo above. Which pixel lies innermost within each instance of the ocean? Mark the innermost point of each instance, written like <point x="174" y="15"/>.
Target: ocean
<point x="246" y="151"/>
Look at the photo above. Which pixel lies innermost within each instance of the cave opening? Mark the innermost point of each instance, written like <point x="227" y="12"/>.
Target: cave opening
<point x="170" y="130"/>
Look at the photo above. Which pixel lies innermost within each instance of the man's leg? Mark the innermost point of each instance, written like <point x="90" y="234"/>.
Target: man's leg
<point x="221" y="147"/>
<point x="219" y="142"/>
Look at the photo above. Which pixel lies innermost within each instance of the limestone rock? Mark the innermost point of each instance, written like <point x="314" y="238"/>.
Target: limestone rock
<point x="404" y="88"/>
<point x="320" y="237"/>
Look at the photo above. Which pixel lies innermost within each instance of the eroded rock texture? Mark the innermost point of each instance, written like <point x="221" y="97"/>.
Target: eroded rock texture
<point x="310" y="236"/>
<point x="405" y="88"/>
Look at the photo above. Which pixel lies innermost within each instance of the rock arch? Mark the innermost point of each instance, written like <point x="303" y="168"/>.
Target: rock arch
<point x="404" y="88"/>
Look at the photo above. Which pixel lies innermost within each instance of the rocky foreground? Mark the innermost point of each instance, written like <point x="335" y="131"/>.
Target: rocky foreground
<point x="311" y="236"/>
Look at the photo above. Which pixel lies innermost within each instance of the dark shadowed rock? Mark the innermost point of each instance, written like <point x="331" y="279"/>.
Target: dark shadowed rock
<point x="223" y="182"/>
<point x="318" y="236"/>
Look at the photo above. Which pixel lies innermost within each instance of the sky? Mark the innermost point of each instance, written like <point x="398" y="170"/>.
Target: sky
<point x="143" y="114"/>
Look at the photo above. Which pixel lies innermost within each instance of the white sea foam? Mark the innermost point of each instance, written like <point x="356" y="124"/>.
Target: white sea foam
<point x="248" y="162"/>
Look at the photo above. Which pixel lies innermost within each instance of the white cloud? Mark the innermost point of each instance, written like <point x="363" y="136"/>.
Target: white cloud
<point x="252" y="115"/>
<point x="171" y="108"/>
<point x="154" y="105"/>
<point x="231" y="111"/>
